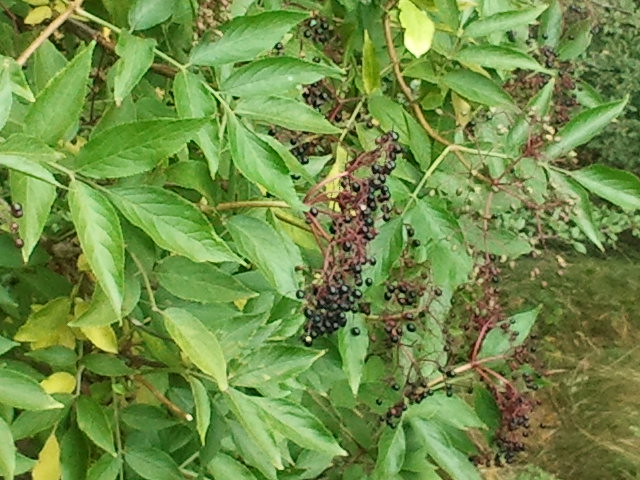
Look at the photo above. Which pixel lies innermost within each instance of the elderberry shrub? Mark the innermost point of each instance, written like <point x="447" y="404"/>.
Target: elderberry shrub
<point x="355" y="210"/>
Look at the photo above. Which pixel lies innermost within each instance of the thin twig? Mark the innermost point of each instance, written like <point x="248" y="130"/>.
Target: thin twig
<point x="47" y="32"/>
<point x="249" y="204"/>
<point x="164" y="400"/>
<point x="147" y="283"/>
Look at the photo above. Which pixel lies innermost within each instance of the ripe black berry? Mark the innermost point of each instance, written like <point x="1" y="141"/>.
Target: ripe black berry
<point x="411" y="327"/>
<point x="19" y="243"/>
<point x="355" y="331"/>
<point x="300" y="294"/>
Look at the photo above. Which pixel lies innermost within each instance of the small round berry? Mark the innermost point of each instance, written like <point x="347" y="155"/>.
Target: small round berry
<point x="300" y="294"/>
<point x="437" y="291"/>
<point x="378" y="401"/>
<point x="416" y="243"/>
<point x="410" y="231"/>
<point x="14" y="227"/>
<point x="411" y="327"/>
<point x="395" y="387"/>
<point x="19" y="243"/>
<point x="368" y="281"/>
<point x="355" y="331"/>
<point x="278" y="46"/>
<point x="313" y="211"/>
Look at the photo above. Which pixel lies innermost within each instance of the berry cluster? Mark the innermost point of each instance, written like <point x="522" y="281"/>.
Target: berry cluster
<point x="320" y="31"/>
<point x="351" y="227"/>
<point x="16" y="212"/>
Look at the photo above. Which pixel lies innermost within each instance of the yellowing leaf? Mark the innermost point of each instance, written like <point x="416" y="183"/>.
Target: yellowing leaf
<point x="38" y="15"/>
<point x="48" y="465"/>
<point x="102" y="337"/>
<point x="37" y="3"/>
<point x="462" y="109"/>
<point x="418" y="28"/>
<point x="240" y="303"/>
<point x="59" y="382"/>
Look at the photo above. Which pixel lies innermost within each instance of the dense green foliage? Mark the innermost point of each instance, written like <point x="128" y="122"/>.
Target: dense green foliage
<point x="235" y="237"/>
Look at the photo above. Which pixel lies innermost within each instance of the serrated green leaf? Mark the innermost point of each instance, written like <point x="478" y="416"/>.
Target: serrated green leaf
<point x="247" y="413"/>
<point x="419" y="29"/>
<point x="286" y="112"/>
<point x="136" y="56"/>
<point x="146" y="417"/>
<point x="391" y="453"/>
<point x="106" y="365"/>
<point x="224" y="467"/>
<point x="617" y="186"/>
<point x="503" y="21"/>
<point x="27" y="167"/>
<point x="576" y="40"/>
<point x="551" y="25"/>
<point x="580" y="211"/>
<point x="100" y="312"/>
<point x="203" y="407"/>
<point x="275" y="255"/>
<point x="198" y="343"/>
<point x="100" y="236"/>
<point x="93" y="421"/>
<point x="6" y="96"/>
<point x="246" y="37"/>
<point x="21" y="391"/>
<point x="58" y="105"/>
<point x="106" y="468"/>
<point x="131" y="148"/>
<point x="7" y="451"/>
<point x="583" y="127"/>
<point x="259" y="162"/>
<point x="451" y="410"/>
<point x="149" y="13"/>
<point x="498" y="341"/>
<point x="19" y="84"/>
<point x="273" y="363"/>
<point x="539" y="104"/>
<point x="353" y="351"/>
<point x="172" y="222"/>
<point x="437" y="445"/>
<point x="36" y="198"/>
<point x="194" y="101"/>
<point x="6" y="345"/>
<point x="370" y="66"/>
<point x="271" y="76"/>
<point x="200" y="282"/>
<point x="152" y="463"/>
<point x="298" y="425"/>
<point x="477" y="88"/>
<point x="498" y="57"/>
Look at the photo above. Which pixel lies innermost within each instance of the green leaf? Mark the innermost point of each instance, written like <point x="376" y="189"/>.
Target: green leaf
<point x="7" y="451"/>
<point x="259" y="162"/>
<point x="106" y="365"/>
<point x="20" y="391"/>
<point x="451" y="460"/>
<point x="200" y="282"/>
<point x="29" y="148"/>
<point x="275" y="255"/>
<point x="106" y="468"/>
<point x="203" y="407"/>
<point x="391" y="453"/>
<point x="392" y="116"/>
<point x="386" y="249"/>
<point x="74" y="455"/>
<point x="498" y="57"/>
<point x="450" y="410"/>
<point x="499" y="341"/>
<point x="100" y="236"/>
<point x="58" y="106"/>
<point x="147" y="417"/>
<point x="370" y="66"/>
<point x="172" y="222"/>
<point x="353" y="351"/>
<point x="580" y="211"/>
<point x="131" y="148"/>
<point x="6" y="96"/>
<point x="577" y="39"/>
<point x="299" y="425"/>
<point x="286" y="112"/>
<point x="503" y="21"/>
<point x="198" y="343"/>
<point x="36" y="198"/>
<point x="540" y="103"/>
<point x="152" y="463"/>
<point x="273" y="363"/>
<point x="247" y="413"/>
<point x="246" y="37"/>
<point x="224" y="467"/>
<point x="270" y="76"/>
<point x="617" y="186"/>
<point x="136" y="56"/>
<point x="149" y="13"/>
<point x="583" y="127"/>
<point x="419" y="29"/>
<point x="477" y="88"/>
<point x="28" y="168"/>
<point x="250" y="451"/>
<point x="19" y="84"/>
<point x="194" y="101"/>
<point x="6" y="345"/>
<point x="93" y="421"/>
<point x="551" y="26"/>
<point x="99" y="313"/>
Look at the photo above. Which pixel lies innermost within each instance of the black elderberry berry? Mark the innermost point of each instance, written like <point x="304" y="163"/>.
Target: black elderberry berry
<point x="437" y="291"/>
<point x="495" y="279"/>
<point x="278" y="46"/>
<point x="295" y="176"/>
<point x="307" y="340"/>
<point x="368" y="281"/>
<point x="388" y="295"/>
<point x="394" y="135"/>
<point x="355" y="331"/>
<point x="410" y="231"/>
<point x="300" y="294"/>
<point x="372" y="261"/>
<point x="19" y="243"/>
<point x="395" y="387"/>
<point x="416" y="243"/>
<point x="411" y="327"/>
<point x="378" y="401"/>
<point x="313" y="211"/>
